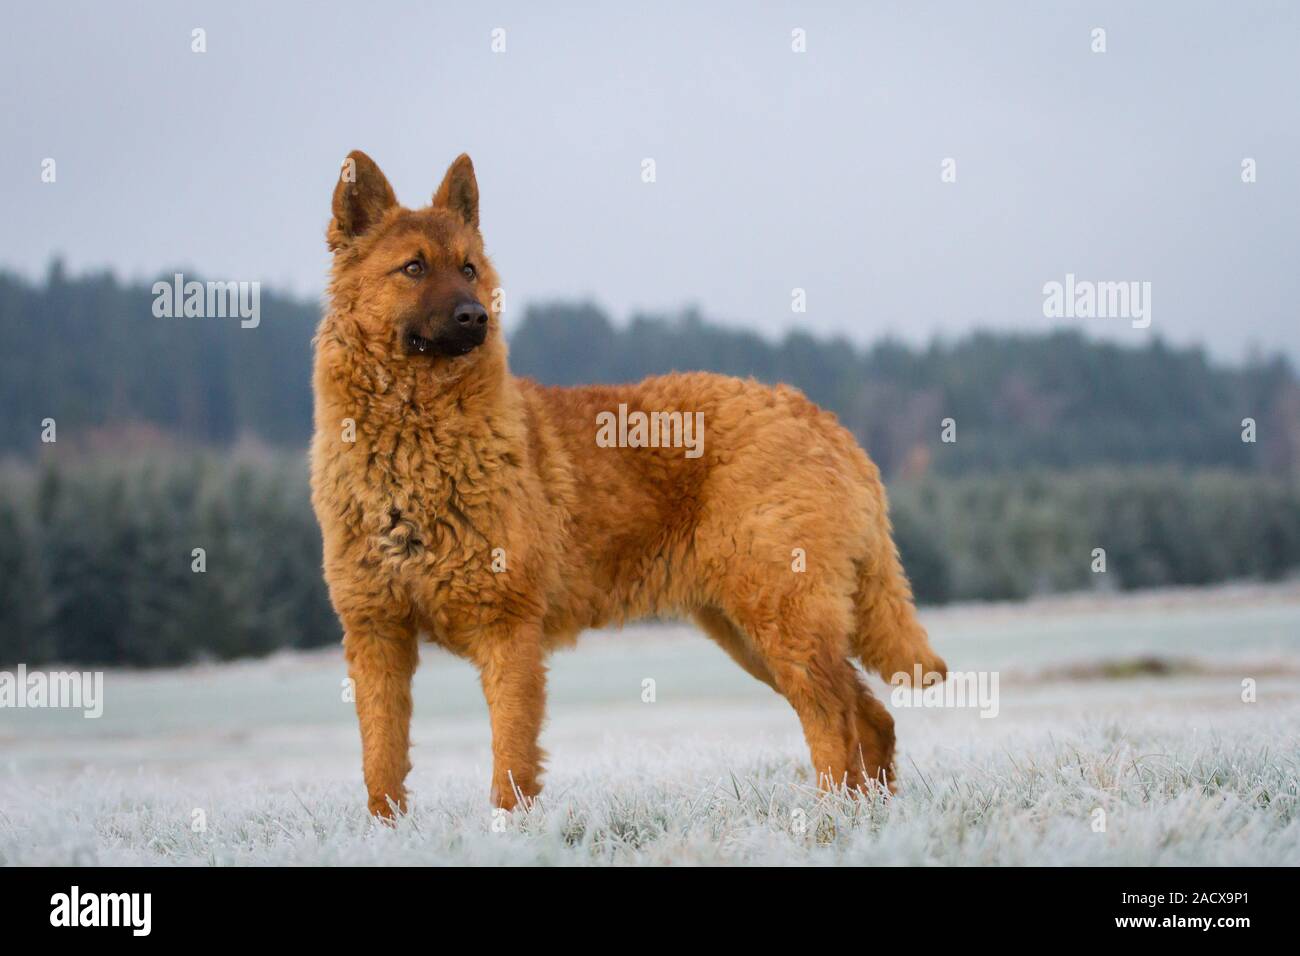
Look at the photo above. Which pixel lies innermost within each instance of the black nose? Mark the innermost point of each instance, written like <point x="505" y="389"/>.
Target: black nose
<point x="470" y="314"/>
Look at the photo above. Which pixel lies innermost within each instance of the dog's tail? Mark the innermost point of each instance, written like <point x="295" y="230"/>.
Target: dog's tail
<point x="887" y="636"/>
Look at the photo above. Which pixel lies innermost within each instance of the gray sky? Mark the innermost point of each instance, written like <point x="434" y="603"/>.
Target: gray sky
<point x="775" y="169"/>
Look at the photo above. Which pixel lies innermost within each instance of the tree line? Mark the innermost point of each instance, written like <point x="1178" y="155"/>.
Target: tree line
<point x="182" y="557"/>
<point x="89" y="353"/>
<point x="170" y="521"/>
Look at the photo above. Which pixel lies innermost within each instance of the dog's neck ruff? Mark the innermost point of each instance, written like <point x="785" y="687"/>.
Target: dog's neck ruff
<point x="430" y="423"/>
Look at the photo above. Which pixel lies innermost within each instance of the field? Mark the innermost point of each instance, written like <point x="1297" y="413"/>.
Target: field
<point x="1131" y="705"/>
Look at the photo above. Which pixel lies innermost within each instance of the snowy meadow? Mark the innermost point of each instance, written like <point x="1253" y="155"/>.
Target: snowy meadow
<point x="1152" y="729"/>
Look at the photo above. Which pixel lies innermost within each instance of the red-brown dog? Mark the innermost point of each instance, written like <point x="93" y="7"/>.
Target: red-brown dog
<point x="499" y="518"/>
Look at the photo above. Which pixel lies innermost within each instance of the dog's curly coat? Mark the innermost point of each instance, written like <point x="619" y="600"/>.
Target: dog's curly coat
<point x="476" y="509"/>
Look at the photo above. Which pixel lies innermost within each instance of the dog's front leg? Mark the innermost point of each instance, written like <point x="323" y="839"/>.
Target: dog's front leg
<point x="380" y="663"/>
<point x="514" y="682"/>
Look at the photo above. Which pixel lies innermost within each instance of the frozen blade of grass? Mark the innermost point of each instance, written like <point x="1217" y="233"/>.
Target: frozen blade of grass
<point x="928" y="788"/>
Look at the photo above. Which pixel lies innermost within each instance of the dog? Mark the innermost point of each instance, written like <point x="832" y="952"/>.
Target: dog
<point x="499" y="518"/>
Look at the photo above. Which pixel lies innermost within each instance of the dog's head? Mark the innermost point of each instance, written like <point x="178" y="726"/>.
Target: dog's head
<point x="415" y="281"/>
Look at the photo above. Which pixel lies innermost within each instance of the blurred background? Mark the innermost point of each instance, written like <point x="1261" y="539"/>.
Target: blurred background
<point x="776" y="169"/>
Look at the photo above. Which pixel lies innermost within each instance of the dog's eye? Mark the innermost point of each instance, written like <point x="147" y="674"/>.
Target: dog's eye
<point x="414" y="268"/>
<point x="468" y="269"/>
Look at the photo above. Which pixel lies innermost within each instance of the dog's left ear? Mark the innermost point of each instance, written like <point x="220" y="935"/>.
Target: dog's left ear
<point x="459" y="190"/>
<point x="361" y="197"/>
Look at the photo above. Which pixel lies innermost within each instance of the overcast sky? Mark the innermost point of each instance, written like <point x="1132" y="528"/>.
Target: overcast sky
<point x="775" y="170"/>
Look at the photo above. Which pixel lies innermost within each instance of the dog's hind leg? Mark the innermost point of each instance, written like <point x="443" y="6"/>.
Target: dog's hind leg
<point x="803" y="645"/>
<point x="873" y="746"/>
<point x="514" y="682"/>
<point x="715" y="623"/>
<point x="869" y="736"/>
<point x="381" y="661"/>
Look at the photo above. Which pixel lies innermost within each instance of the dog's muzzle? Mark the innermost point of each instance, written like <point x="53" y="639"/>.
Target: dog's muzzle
<point x="459" y="334"/>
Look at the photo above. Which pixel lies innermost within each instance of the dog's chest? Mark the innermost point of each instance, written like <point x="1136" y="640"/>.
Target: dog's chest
<point x="436" y="530"/>
<point x="431" y="536"/>
<point x="439" y="535"/>
<point x="444" y="562"/>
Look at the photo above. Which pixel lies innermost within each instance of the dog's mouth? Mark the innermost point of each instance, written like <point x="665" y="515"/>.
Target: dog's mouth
<point x="444" y="346"/>
<point x="418" y="344"/>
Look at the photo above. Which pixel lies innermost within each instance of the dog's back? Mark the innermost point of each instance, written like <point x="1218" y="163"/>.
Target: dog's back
<point x="771" y="498"/>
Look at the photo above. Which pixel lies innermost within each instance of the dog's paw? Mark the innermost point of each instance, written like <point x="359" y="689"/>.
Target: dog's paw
<point x="386" y="809"/>
<point x="867" y="787"/>
<point x="514" y="795"/>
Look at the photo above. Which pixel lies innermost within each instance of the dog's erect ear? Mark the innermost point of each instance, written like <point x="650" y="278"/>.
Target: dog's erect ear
<point x="459" y="190"/>
<point x="361" y="197"/>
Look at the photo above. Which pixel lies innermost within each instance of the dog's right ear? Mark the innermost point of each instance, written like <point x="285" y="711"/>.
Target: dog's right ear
<point x="361" y="198"/>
